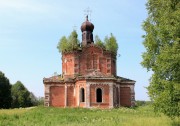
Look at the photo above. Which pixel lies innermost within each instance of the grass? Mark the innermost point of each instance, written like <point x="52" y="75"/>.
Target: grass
<point x="42" y="116"/>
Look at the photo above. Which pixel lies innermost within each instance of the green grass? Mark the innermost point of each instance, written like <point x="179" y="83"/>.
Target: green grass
<point x="42" y="116"/>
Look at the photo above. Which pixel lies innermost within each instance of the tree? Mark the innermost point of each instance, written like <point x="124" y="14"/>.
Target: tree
<point x="34" y="99"/>
<point x="63" y="45"/>
<point x="40" y="101"/>
<point x="162" y="56"/>
<point x="111" y="44"/>
<point x="20" y="96"/>
<point x="72" y="43"/>
<point x="5" y="91"/>
<point x="69" y="44"/>
<point x="98" y="42"/>
<point x="73" y="40"/>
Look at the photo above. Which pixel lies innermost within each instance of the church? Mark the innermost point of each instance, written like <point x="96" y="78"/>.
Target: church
<point x="89" y="78"/>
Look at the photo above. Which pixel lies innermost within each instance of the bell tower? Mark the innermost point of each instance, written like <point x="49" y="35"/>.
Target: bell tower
<point x="87" y="32"/>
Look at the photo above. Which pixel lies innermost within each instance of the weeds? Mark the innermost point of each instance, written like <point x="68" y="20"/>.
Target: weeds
<point x="42" y="116"/>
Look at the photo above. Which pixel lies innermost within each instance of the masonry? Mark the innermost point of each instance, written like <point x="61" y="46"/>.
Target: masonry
<point x="89" y="78"/>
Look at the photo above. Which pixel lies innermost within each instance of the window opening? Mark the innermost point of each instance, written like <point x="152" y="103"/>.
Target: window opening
<point x="99" y="95"/>
<point x="82" y="98"/>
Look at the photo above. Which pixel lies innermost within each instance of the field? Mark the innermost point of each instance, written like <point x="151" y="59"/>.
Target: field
<point x="42" y="116"/>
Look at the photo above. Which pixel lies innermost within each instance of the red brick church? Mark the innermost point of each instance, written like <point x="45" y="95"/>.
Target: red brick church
<point x="89" y="78"/>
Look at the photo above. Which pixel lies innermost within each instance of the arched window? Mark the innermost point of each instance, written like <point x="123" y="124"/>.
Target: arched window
<point x="99" y="95"/>
<point x="82" y="98"/>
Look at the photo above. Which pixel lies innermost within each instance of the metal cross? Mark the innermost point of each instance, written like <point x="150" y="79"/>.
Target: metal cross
<point x="88" y="12"/>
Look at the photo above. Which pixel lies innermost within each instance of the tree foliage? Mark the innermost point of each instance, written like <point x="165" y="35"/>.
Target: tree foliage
<point x="162" y="56"/>
<point x="5" y="91"/>
<point x="109" y="43"/>
<point x="69" y="44"/>
<point x="21" y="97"/>
<point x="98" y="42"/>
<point x="72" y="43"/>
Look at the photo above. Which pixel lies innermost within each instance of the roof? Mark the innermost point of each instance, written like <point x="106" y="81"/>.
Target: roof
<point x="57" y="78"/>
<point x="91" y="76"/>
<point x="122" y="79"/>
<point x="87" y="26"/>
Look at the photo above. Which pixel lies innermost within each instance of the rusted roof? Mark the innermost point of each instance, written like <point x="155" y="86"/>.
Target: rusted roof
<point x="93" y="76"/>
<point x="54" y="79"/>
<point x="122" y="79"/>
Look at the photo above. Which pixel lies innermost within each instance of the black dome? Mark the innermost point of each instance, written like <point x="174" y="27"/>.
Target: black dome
<point x="87" y="26"/>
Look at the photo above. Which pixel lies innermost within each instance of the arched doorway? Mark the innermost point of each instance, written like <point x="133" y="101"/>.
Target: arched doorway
<point x="98" y="95"/>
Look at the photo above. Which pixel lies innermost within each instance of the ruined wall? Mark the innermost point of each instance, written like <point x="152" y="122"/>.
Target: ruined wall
<point x="105" y="95"/>
<point x="117" y="96"/>
<point x="94" y="58"/>
<point x="57" y="96"/>
<point x="70" y="95"/>
<point x="125" y="96"/>
<point x="80" y="84"/>
<point x="86" y="61"/>
<point x="69" y="65"/>
<point x="60" y="94"/>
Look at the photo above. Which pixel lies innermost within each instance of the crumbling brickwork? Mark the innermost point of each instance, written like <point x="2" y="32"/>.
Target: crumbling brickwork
<point x="88" y="78"/>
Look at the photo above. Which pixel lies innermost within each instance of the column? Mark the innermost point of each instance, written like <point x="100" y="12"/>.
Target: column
<point x="132" y="95"/>
<point x="65" y="95"/>
<point x="47" y="96"/>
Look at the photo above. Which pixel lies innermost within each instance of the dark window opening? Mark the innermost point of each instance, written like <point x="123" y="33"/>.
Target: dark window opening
<point x="82" y="98"/>
<point x="98" y="95"/>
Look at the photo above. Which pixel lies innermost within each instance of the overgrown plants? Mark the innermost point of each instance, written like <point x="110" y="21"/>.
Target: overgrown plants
<point x="72" y="43"/>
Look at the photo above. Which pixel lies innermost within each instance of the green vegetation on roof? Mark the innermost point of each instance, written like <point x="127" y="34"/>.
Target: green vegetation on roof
<point x="71" y="43"/>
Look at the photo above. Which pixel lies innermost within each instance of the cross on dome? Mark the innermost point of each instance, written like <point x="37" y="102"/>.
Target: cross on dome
<point x="87" y="12"/>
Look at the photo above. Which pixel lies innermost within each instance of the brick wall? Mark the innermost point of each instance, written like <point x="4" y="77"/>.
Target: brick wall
<point x="70" y="96"/>
<point x="91" y="58"/>
<point x="125" y="96"/>
<point x="80" y="84"/>
<point x="57" y="96"/>
<point x="86" y="62"/>
<point x="105" y="95"/>
<point x="117" y="96"/>
<point x="68" y="64"/>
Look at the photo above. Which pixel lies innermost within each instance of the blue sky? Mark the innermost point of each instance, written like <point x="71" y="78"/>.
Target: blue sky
<point x="30" y="31"/>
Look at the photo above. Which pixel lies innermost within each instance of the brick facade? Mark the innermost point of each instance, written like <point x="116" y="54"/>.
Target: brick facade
<point x="88" y="78"/>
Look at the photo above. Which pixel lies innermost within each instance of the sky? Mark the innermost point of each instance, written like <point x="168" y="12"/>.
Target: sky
<point x="30" y="31"/>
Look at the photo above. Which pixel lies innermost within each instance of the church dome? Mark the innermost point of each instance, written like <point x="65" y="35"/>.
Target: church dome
<point x="87" y="26"/>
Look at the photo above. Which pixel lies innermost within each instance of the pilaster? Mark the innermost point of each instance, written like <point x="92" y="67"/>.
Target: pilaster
<point x="65" y="97"/>
<point x="47" y="96"/>
<point x="111" y="96"/>
<point x="132" y="95"/>
<point x="87" y="95"/>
